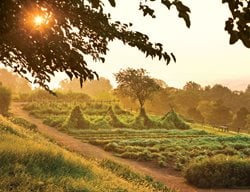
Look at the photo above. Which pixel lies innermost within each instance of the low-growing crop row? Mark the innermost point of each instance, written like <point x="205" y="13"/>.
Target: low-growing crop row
<point x="175" y="152"/>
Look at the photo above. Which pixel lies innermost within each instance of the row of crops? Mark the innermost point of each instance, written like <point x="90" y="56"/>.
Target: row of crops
<point x="97" y="115"/>
<point x="191" y="151"/>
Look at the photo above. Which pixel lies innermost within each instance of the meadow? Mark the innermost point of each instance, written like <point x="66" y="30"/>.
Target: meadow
<point x="30" y="162"/>
<point x="167" y="141"/>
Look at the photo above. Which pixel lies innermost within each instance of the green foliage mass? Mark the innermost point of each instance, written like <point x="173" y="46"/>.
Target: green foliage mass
<point x="168" y="148"/>
<point x="142" y="121"/>
<point x="57" y="48"/>
<point x="173" y="121"/>
<point x="5" y="99"/>
<point x="76" y="120"/>
<point x="114" y="121"/>
<point x="219" y="171"/>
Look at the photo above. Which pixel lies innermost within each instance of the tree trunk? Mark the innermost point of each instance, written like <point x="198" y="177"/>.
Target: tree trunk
<point x="142" y="112"/>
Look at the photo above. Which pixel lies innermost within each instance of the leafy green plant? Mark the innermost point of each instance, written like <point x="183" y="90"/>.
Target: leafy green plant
<point x="173" y="121"/>
<point x="76" y="120"/>
<point x="219" y="171"/>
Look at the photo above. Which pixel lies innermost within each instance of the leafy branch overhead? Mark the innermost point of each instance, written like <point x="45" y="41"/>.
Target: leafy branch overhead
<point x="238" y="25"/>
<point x="43" y="37"/>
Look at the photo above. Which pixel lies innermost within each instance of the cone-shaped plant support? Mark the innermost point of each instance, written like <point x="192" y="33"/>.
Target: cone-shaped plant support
<point x="114" y="121"/>
<point x="76" y="120"/>
<point x="143" y="121"/>
<point x="173" y="121"/>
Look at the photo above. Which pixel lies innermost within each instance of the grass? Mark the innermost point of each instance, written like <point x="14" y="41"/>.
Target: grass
<point x="29" y="162"/>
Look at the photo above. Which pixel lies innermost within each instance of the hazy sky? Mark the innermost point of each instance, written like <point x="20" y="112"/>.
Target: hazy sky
<point x="203" y="51"/>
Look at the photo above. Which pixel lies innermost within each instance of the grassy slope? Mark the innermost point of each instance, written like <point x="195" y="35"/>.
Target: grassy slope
<point x="29" y="162"/>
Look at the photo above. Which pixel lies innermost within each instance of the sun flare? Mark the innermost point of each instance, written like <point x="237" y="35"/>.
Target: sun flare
<point x="39" y="20"/>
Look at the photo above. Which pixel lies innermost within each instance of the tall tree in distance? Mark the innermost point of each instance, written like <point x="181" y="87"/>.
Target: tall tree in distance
<point x="136" y="83"/>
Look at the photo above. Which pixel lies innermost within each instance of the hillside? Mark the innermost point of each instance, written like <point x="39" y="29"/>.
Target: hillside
<point x="30" y="162"/>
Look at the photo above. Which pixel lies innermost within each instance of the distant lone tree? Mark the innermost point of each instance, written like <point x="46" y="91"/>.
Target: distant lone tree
<point x="5" y="99"/>
<point x="136" y="84"/>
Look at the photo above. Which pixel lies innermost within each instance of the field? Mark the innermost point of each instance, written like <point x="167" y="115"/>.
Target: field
<point x="175" y="148"/>
<point x="30" y="162"/>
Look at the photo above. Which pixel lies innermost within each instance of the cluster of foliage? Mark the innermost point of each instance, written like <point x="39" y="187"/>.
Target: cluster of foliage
<point x="99" y="115"/>
<point x="76" y="120"/>
<point x="171" y="119"/>
<point x="167" y="148"/>
<point x="136" y="83"/>
<point x="72" y="30"/>
<point x="5" y="99"/>
<point x="216" y="105"/>
<point x="219" y="171"/>
<point x="29" y="162"/>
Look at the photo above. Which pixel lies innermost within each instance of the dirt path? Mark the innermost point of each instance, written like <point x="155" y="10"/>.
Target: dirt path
<point x="161" y="174"/>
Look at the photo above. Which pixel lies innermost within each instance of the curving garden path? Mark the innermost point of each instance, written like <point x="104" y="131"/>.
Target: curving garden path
<point x="90" y="151"/>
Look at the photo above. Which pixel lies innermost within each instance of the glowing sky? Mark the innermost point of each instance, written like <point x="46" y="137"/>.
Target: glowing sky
<point x="203" y="51"/>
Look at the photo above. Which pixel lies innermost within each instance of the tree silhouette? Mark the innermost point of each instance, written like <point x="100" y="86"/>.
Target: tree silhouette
<point x="43" y="37"/>
<point x="135" y="83"/>
<point x="238" y="25"/>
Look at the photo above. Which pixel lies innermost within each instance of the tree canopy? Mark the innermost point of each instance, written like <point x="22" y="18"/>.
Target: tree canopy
<point x="135" y="83"/>
<point x="41" y="37"/>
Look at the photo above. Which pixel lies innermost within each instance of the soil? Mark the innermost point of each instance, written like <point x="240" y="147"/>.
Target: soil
<point x="167" y="176"/>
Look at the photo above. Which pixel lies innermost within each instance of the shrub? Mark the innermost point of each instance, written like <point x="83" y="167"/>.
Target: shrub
<point x="219" y="171"/>
<point x="5" y="98"/>
<point x="76" y="120"/>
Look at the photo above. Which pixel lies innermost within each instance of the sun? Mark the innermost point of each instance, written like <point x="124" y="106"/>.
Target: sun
<point x="39" y="20"/>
